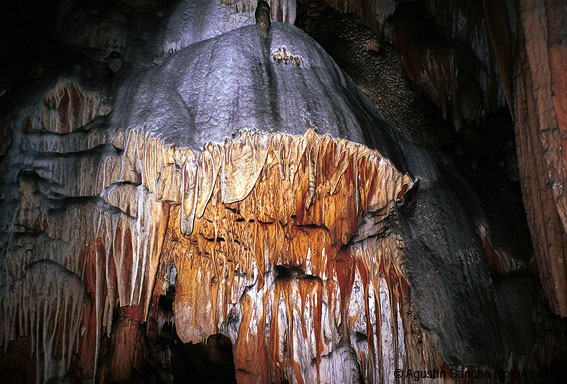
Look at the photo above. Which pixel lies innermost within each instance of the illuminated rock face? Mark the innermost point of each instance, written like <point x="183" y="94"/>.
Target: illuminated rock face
<point x="193" y="21"/>
<point x="508" y="53"/>
<point x="286" y="212"/>
<point x="172" y="26"/>
<point x="277" y="271"/>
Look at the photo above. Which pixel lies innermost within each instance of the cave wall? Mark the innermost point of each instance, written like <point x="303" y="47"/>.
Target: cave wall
<point x="487" y="55"/>
<point x="533" y="58"/>
<point x="254" y="178"/>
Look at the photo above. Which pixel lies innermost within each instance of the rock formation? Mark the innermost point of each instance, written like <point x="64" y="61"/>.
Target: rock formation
<point x="263" y="18"/>
<point x="497" y="53"/>
<point x="189" y="175"/>
<point x="532" y="58"/>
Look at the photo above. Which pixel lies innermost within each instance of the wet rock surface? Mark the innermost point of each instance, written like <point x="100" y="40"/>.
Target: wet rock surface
<point x="473" y="58"/>
<point x="168" y="182"/>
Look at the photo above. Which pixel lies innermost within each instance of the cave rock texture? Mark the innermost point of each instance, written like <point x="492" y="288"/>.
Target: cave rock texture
<point x="178" y="173"/>
<point x="499" y="52"/>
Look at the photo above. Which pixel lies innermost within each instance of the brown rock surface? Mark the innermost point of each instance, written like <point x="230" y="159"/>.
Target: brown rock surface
<point x="482" y="49"/>
<point x="532" y="60"/>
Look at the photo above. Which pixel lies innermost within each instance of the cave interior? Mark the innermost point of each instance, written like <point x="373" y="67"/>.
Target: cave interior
<point x="283" y="191"/>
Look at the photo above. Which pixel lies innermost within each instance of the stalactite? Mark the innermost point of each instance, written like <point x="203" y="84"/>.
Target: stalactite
<point x="46" y="304"/>
<point x="236" y="244"/>
<point x="292" y="244"/>
<point x="278" y="241"/>
<point x="69" y="107"/>
<point x="281" y="10"/>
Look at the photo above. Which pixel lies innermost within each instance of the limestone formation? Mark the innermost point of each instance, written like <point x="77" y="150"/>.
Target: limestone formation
<point x="535" y="83"/>
<point x="479" y="57"/>
<point x="217" y="190"/>
<point x="263" y="18"/>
